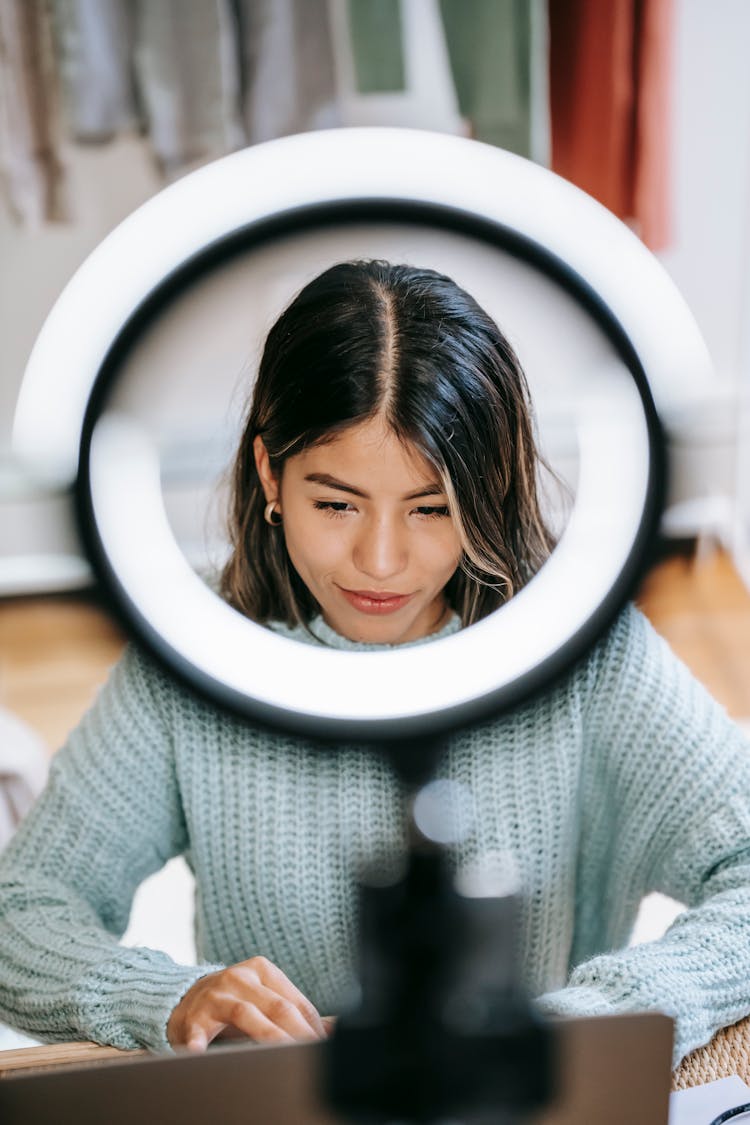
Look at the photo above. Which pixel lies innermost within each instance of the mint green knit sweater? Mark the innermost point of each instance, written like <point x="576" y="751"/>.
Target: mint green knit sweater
<point x="624" y="778"/>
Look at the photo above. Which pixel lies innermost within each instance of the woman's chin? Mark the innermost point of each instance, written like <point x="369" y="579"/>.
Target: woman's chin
<point x="419" y="616"/>
<point x="365" y="629"/>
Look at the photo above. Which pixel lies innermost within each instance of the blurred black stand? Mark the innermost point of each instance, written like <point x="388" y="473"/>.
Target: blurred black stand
<point x="443" y="1030"/>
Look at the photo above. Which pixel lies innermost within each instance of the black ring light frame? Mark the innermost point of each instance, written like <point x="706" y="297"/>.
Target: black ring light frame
<point x="318" y="217"/>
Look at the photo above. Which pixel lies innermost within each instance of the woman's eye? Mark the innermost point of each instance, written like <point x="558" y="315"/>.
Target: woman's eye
<point x="332" y="507"/>
<point x="342" y="508"/>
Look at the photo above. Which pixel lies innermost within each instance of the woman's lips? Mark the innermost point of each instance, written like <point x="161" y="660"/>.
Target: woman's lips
<point x="370" y="601"/>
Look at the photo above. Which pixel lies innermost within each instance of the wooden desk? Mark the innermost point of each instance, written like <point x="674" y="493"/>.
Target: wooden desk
<point x="26" y="1060"/>
<point x="728" y="1053"/>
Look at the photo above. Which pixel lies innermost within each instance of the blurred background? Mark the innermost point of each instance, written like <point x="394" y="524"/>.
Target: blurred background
<point x="645" y="104"/>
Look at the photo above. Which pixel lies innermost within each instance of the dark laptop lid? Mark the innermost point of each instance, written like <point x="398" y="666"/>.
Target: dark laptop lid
<point x="614" y="1070"/>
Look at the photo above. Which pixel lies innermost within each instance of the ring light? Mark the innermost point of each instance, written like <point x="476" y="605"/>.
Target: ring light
<point x="69" y="434"/>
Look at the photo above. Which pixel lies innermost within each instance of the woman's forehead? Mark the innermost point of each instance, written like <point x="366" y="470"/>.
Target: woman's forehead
<point x="371" y="457"/>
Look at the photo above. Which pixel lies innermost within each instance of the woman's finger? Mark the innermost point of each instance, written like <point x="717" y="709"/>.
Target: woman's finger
<point x="197" y="1040"/>
<point x="231" y="1011"/>
<point x="272" y="976"/>
<point x="283" y="1013"/>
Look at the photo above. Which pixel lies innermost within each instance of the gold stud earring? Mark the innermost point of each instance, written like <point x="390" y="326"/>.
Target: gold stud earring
<point x="271" y="515"/>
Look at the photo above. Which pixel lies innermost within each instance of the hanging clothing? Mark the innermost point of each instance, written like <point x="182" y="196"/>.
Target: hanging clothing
<point x="186" y="64"/>
<point x="199" y="77"/>
<point x="30" y="165"/>
<point x="609" y="90"/>
<point x="95" y="40"/>
<point x="498" y="55"/>
<point x="377" y="34"/>
<point x="287" y="71"/>
<point x="497" y="51"/>
<point x="170" y="69"/>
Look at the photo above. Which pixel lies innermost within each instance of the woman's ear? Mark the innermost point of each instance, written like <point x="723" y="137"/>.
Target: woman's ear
<point x="263" y="464"/>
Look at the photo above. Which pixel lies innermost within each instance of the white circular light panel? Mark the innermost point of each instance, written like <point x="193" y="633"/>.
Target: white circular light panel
<point x="320" y="690"/>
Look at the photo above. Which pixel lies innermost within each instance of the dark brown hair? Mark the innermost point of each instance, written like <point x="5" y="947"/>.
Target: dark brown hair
<point x="370" y="338"/>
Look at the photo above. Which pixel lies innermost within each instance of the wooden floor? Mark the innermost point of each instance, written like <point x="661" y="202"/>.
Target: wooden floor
<point x="56" y="651"/>
<point x="54" y="654"/>
<point x="702" y="608"/>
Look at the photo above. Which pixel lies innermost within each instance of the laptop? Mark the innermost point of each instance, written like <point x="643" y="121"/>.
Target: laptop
<point x="614" y="1070"/>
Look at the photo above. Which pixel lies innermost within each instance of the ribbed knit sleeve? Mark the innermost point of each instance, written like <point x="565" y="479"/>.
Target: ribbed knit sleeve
<point x="110" y="816"/>
<point x="666" y="807"/>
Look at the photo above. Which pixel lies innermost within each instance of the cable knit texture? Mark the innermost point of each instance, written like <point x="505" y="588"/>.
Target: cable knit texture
<point x="626" y="777"/>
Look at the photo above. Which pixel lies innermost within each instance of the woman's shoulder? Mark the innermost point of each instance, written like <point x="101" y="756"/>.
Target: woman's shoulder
<point x="138" y="670"/>
<point x="622" y="657"/>
<point x="630" y="642"/>
<point x="638" y="682"/>
<point x="141" y="693"/>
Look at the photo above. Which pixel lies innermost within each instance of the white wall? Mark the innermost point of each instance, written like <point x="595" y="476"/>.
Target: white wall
<point x="711" y="160"/>
<point x="710" y="256"/>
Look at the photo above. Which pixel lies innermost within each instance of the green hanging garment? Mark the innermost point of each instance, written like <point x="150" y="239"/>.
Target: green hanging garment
<point x="497" y="51"/>
<point x="498" y="57"/>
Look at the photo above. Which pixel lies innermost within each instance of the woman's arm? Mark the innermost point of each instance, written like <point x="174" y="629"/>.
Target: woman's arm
<point x="667" y="808"/>
<point x="110" y="816"/>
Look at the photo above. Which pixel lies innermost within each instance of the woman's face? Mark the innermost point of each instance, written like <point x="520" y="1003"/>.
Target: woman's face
<point x="367" y="528"/>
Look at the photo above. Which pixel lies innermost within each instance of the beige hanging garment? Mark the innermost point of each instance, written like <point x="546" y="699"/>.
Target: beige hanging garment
<point x="95" y="39"/>
<point x="30" y="165"/>
<point x="287" y="66"/>
<point x="169" y="68"/>
<point x="186" y="63"/>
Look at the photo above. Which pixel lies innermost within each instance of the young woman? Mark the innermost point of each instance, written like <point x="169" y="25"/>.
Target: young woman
<point x="384" y="493"/>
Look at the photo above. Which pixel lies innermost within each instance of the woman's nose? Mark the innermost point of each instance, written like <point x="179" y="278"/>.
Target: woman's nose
<point x="380" y="550"/>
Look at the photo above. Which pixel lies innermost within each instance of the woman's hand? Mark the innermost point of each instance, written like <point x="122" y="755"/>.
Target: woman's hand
<point x="252" y="998"/>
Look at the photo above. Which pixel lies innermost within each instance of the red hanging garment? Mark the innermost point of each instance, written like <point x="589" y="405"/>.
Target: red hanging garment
<point x="610" y="71"/>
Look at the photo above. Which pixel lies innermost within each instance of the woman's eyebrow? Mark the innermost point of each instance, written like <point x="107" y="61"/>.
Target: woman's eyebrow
<point x="332" y="482"/>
